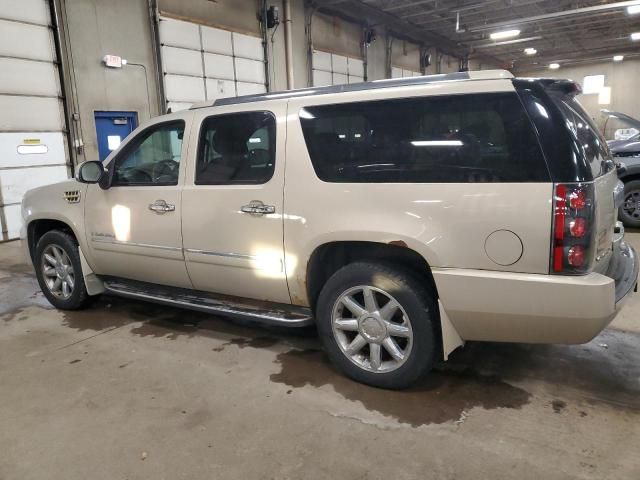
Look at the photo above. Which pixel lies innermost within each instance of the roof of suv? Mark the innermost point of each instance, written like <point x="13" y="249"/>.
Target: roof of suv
<point x="354" y="87"/>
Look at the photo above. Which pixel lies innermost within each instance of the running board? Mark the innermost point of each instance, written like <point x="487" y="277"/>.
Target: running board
<point x="234" y="307"/>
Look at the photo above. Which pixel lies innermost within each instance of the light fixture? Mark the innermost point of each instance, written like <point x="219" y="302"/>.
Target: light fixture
<point x="635" y="36"/>
<point x="504" y="34"/>
<point x="530" y="51"/>
<point x="437" y="143"/>
<point x="554" y="66"/>
<point x="618" y="58"/>
<point x="633" y="9"/>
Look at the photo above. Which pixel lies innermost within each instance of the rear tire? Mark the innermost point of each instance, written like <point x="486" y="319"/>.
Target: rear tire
<point x="629" y="213"/>
<point x="369" y="337"/>
<point x="59" y="271"/>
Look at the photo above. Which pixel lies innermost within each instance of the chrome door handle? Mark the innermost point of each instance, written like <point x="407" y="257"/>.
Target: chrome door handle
<point x="256" y="207"/>
<point x="160" y="206"/>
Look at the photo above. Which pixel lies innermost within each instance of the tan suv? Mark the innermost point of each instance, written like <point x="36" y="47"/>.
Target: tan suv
<point x="404" y="217"/>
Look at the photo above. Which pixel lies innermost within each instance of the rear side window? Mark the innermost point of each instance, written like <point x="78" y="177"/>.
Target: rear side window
<point x="586" y="135"/>
<point x="237" y="148"/>
<point x="445" y="139"/>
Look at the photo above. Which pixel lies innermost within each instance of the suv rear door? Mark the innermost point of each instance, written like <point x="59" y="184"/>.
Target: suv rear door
<point x="232" y="202"/>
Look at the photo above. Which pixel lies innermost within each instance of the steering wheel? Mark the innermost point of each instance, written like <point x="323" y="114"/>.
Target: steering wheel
<point x="168" y="167"/>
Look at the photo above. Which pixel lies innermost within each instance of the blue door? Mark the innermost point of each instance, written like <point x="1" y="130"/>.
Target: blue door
<point x="112" y="128"/>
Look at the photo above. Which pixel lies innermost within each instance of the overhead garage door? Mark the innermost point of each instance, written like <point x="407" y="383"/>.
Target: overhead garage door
<point x="32" y="125"/>
<point x="333" y="69"/>
<point x="205" y="63"/>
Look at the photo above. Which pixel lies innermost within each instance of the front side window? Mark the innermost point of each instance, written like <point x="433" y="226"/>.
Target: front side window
<point x="237" y="148"/>
<point x="446" y="139"/>
<point x="152" y="158"/>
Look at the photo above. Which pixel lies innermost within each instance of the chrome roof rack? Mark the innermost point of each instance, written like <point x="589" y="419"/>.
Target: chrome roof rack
<point x="356" y="87"/>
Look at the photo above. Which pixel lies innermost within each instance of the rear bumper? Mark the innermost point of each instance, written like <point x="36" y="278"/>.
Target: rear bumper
<point x="531" y="308"/>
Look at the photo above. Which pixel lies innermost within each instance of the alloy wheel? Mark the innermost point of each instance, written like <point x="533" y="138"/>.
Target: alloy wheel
<point x="57" y="271"/>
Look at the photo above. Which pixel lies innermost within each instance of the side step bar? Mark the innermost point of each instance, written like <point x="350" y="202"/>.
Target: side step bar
<point x="234" y="307"/>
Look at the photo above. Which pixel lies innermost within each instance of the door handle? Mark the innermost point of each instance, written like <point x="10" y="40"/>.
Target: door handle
<point x="256" y="207"/>
<point x="160" y="206"/>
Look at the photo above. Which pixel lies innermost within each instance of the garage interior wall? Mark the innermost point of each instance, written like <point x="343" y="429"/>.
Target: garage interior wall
<point x="33" y="143"/>
<point x="405" y="58"/>
<point x="621" y="77"/>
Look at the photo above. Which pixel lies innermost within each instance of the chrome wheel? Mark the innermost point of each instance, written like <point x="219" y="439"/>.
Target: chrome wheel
<point x="372" y="329"/>
<point x="57" y="271"/>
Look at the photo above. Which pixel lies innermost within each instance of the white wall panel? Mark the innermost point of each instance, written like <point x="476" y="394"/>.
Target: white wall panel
<point x="26" y="114"/>
<point x="250" y="88"/>
<point x="340" y="79"/>
<point x="217" y="88"/>
<point x="321" y="61"/>
<point x="178" y="106"/>
<point x="15" y="182"/>
<point x="26" y="77"/>
<point x="396" y="72"/>
<point x="181" y="61"/>
<point x="354" y="79"/>
<point x="322" y="78"/>
<point x="246" y="46"/>
<point x="184" y="89"/>
<point x="26" y="41"/>
<point x="215" y="40"/>
<point x="218" y="66"/>
<point x="356" y="67"/>
<point x="249" y="71"/>
<point x="176" y="33"/>
<point x="33" y="11"/>
<point x="339" y="64"/>
<point x="9" y="143"/>
<point x="10" y="222"/>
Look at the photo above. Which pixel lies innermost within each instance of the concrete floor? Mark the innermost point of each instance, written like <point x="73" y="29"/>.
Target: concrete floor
<point x="128" y="390"/>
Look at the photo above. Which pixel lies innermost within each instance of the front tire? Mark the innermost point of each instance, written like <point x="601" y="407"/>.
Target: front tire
<point x="378" y="324"/>
<point x="59" y="271"/>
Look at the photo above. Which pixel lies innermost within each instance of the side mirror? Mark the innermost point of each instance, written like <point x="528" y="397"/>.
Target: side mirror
<point x="91" y="172"/>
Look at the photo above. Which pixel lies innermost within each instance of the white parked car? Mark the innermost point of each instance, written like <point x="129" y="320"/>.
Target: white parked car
<point x="404" y="217"/>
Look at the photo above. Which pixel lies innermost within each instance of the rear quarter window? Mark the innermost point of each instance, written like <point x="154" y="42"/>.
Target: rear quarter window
<point x="587" y="136"/>
<point x="445" y="139"/>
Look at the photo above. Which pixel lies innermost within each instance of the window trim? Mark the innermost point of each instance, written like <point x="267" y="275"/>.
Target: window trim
<point x="131" y="144"/>
<point x="200" y="138"/>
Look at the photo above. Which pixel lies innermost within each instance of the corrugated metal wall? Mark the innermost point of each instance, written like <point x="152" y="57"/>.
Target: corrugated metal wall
<point x="32" y="123"/>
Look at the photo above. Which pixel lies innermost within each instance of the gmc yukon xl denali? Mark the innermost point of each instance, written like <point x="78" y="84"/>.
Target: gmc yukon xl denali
<point x="403" y="217"/>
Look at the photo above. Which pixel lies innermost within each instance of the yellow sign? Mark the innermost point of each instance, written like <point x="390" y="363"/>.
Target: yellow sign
<point x="31" y="141"/>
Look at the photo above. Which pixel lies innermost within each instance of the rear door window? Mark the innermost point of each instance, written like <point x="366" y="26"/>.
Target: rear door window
<point x="445" y="139"/>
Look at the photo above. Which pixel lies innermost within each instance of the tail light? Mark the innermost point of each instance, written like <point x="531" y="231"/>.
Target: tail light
<point x="573" y="228"/>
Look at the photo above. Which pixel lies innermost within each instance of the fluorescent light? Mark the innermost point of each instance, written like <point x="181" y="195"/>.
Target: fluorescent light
<point x="437" y="143"/>
<point x="633" y="9"/>
<point x="635" y="36"/>
<point x="530" y="51"/>
<point x="504" y="34"/>
<point x="554" y="66"/>
<point x="618" y="58"/>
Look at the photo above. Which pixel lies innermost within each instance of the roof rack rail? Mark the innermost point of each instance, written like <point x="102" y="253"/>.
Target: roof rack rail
<point x="356" y="87"/>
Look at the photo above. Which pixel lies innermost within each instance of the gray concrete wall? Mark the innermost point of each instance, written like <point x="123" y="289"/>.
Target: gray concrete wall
<point x="622" y="77"/>
<point x="118" y="27"/>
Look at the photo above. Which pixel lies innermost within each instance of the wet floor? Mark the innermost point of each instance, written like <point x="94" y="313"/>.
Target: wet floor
<point x="556" y="411"/>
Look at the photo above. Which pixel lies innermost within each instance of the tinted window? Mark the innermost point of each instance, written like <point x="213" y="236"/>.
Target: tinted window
<point x="238" y="148"/>
<point x="152" y="158"/>
<point x="465" y="138"/>
<point x="588" y="138"/>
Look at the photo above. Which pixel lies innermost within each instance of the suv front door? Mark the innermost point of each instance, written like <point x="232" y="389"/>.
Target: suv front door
<point x="232" y="204"/>
<point x="133" y="228"/>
